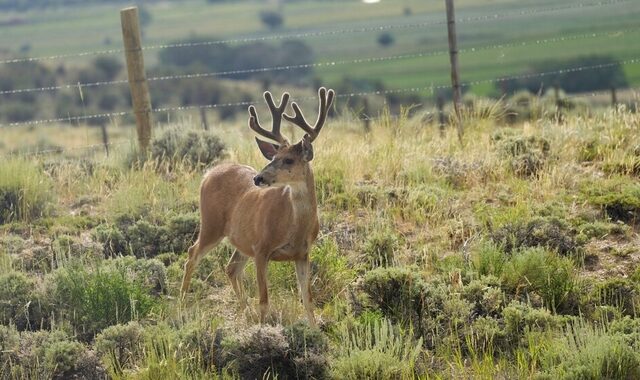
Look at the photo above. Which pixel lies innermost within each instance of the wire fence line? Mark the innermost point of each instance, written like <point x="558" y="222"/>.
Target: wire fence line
<point x="431" y="88"/>
<point x="474" y="49"/>
<point x="328" y="33"/>
<point x="62" y="150"/>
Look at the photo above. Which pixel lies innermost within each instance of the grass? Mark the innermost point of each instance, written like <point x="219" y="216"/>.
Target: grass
<point x="101" y="30"/>
<point x="434" y="260"/>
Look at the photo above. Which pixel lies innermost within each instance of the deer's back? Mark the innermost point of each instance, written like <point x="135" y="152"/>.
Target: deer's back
<point x="221" y="189"/>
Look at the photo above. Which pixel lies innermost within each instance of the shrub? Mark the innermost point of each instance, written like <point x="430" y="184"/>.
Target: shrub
<point x="200" y="347"/>
<point x="619" y="198"/>
<point x="70" y="359"/>
<point x="550" y="233"/>
<point x="526" y="155"/>
<point x="376" y="351"/>
<point x="620" y="293"/>
<point x="308" y="347"/>
<point x="262" y="353"/>
<point x="25" y="192"/>
<point x="398" y="293"/>
<point x="195" y="149"/>
<point x="121" y="345"/>
<point x="144" y="238"/>
<point x="538" y="272"/>
<point x="629" y="329"/>
<point x="93" y="300"/>
<point x="489" y="260"/>
<point x="9" y="344"/>
<point x="486" y="335"/>
<point x="20" y="305"/>
<point x="330" y="271"/>
<point x="54" y="355"/>
<point x="520" y="318"/>
<point x="485" y="294"/>
<point x="380" y="248"/>
<point x="584" y="353"/>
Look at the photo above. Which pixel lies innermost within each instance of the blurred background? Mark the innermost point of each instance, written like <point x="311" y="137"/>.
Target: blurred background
<point x="62" y="61"/>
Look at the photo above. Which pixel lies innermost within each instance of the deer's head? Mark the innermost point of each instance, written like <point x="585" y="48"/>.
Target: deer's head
<point x="289" y="163"/>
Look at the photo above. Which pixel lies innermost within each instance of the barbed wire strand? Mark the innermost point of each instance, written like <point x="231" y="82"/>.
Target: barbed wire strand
<point x="315" y="34"/>
<point x="475" y="49"/>
<point x="431" y="88"/>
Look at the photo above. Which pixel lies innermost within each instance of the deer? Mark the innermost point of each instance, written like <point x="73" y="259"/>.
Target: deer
<point x="271" y="215"/>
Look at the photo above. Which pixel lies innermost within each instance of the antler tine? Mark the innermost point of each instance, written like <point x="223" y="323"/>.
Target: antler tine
<point x="326" y="99"/>
<point x="276" y="115"/>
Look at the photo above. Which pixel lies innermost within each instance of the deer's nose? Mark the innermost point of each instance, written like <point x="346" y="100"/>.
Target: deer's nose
<point x="258" y="180"/>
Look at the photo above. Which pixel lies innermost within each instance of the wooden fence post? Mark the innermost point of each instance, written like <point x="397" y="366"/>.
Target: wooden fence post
<point x="441" y="120"/>
<point x="140" y="97"/>
<point x="203" y="118"/>
<point x="614" y="97"/>
<point x="453" y="57"/>
<point x="105" y="138"/>
<point x="366" y="119"/>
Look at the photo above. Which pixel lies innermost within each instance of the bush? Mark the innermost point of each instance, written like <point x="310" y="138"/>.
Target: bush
<point x="330" y="271"/>
<point x="54" y="355"/>
<point x="308" y="350"/>
<point x="93" y="300"/>
<point x="550" y="233"/>
<point x="520" y="318"/>
<point x="399" y="293"/>
<point x="380" y="248"/>
<point x="200" y="347"/>
<point x="195" y="149"/>
<point x="526" y="155"/>
<point x="619" y="198"/>
<point x="147" y="239"/>
<point x="25" y="192"/>
<point x="486" y="296"/>
<point x="376" y="351"/>
<point x="70" y="359"/>
<point x="9" y="344"/>
<point x="121" y="345"/>
<point x="262" y="353"/>
<point x="587" y="354"/>
<point x="620" y="293"/>
<point x="536" y="272"/>
<point x="20" y="304"/>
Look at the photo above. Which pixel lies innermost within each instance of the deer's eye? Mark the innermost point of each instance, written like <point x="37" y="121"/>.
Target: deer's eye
<point x="287" y="161"/>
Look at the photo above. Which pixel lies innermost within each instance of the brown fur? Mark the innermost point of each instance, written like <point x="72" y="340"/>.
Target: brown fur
<point x="277" y="221"/>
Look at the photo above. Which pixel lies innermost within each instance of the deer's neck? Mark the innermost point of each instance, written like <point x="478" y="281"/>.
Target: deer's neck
<point x="303" y="197"/>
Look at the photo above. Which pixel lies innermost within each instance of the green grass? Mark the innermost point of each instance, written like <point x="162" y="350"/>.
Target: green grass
<point x="434" y="260"/>
<point x="176" y="20"/>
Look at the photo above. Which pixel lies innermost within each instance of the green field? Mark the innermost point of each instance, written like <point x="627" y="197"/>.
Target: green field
<point x="79" y="29"/>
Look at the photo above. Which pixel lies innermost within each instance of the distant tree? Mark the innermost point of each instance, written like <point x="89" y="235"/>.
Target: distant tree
<point x="610" y="74"/>
<point x="273" y="20"/>
<point x="109" y="66"/>
<point x="386" y="39"/>
<point x="407" y="11"/>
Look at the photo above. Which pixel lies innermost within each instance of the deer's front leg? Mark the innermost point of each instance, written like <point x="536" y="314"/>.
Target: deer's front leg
<point x="261" y="272"/>
<point x="304" y="285"/>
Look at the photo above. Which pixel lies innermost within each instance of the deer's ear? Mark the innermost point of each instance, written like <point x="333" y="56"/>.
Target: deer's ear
<point x="307" y="148"/>
<point x="268" y="150"/>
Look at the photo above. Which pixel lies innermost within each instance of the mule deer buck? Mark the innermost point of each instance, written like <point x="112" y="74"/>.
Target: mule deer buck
<point x="271" y="215"/>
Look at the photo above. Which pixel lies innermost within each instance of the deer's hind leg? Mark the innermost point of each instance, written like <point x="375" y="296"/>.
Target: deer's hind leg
<point x="203" y="245"/>
<point x="235" y="272"/>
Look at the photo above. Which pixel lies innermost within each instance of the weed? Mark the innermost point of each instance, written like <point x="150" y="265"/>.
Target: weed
<point x="25" y="194"/>
<point x="376" y="351"/>
<point x="95" y="299"/>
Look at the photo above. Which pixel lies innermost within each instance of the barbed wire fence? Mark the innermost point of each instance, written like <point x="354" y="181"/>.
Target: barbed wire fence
<point x="327" y="64"/>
